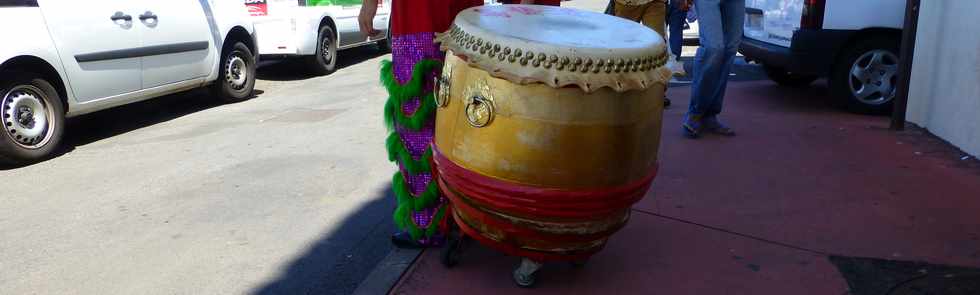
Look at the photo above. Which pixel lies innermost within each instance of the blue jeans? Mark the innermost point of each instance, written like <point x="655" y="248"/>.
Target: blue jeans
<point x="720" y="23"/>
<point x="675" y="26"/>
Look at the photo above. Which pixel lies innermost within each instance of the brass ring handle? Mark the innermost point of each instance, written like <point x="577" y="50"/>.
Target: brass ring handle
<point x="442" y="86"/>
<point x="479" y="111"/>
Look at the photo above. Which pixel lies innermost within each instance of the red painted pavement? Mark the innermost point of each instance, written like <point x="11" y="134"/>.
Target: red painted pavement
<point x="799" y="173"/>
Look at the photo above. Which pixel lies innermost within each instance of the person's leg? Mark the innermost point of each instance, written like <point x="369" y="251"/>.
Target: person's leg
<point x="655" y="17"/>
<point x="733" y="15"/>
<point x="630" y="12"/>
<point x="675" y="27"/>
<point x="707" y="64"/>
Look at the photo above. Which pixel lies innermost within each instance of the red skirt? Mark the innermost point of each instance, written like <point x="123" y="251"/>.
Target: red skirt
<point x="421" y="16"/>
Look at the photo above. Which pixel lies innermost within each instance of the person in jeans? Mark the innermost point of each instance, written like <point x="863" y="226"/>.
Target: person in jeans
<point x="720" y="24"/>
<point x="676" y="13"/>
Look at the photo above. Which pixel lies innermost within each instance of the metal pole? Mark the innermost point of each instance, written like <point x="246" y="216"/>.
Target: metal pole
<point x="905" y="64"/>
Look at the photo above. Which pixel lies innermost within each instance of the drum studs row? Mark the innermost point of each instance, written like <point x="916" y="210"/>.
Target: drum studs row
<point x="468" y="42"/>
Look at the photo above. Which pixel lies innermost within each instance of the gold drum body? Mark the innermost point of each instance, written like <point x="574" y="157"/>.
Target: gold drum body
<point x="537" y="138"/>
<point x="541" y="136"/>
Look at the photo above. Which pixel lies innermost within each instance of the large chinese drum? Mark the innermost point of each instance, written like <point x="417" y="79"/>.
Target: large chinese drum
<point x="548" y="126"/>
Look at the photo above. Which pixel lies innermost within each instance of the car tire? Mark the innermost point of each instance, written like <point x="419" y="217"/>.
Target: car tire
<point x="236" y="79"/>
<point x="785" y="78"/>
<point x="33" y="117"/>
<point x="324" y="61"/>
<point x="865" y="77"/>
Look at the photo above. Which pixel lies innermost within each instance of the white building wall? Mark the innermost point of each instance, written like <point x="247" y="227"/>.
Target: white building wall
<point x="944" y="95"/>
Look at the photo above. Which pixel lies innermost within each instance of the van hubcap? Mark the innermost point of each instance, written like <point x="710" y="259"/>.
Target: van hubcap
<point x="236" y="72"/>
<point x="26" y="117"/>
<point x="873" y="77"/>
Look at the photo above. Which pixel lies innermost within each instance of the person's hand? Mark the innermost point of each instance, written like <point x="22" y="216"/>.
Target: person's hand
<point x="366" y="18"/>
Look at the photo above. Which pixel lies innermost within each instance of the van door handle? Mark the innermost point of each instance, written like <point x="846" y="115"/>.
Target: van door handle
<point x="120" y="16"/>
<point x="148" y="15"/>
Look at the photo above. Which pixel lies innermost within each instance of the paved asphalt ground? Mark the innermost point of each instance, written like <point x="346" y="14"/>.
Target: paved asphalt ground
<point x="287" y="193"/>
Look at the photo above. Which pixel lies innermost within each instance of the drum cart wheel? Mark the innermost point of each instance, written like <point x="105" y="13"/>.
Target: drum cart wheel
<point x="456" y="242"/>
<point x="526" y="274"/>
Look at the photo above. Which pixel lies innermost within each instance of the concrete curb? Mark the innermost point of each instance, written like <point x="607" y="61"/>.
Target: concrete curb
<point x="386" y="274"/>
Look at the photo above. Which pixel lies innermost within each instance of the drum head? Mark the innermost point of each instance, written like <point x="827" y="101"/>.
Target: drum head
<point x="560" y="27"/>
<point x="558" y="47"/>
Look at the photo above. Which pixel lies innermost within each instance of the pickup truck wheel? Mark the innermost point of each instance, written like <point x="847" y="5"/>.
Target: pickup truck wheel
<point x="783" y="77"/>
<point x="864" y="79"/>
<point x="237" y="78"/>
<point x="33" y="118"/>
<point x="325" y="60"/>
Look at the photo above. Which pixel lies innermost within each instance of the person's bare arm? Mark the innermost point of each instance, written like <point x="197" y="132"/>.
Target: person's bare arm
<point x="365" y="19"/>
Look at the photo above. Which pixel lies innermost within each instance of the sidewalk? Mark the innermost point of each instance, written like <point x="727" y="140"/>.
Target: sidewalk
<point x="764" y="212"/>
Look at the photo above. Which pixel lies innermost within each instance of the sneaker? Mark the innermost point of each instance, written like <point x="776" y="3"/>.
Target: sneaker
<point x="666" y="102"/>
<point x="692" y="125"/>
<point x="713" y="125"/>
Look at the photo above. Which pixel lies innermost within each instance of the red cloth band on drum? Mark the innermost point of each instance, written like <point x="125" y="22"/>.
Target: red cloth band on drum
<point x="524" y="200"/>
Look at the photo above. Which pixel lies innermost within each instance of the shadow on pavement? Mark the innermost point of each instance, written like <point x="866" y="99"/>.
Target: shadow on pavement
<point x="293" y="69"/>
<point x="108" y="123"/>
<point x="741" y="70"/>
<point x="811" y="98"/>
<point x="342" y="258"/>
<point x="870" y="276"/>
<point x="104" y="124"/>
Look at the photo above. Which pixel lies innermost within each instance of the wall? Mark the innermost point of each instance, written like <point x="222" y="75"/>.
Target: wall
<point x="944" y="95"/>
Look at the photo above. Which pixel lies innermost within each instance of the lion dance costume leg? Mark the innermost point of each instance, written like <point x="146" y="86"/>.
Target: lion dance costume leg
<point x="410" y="113"/>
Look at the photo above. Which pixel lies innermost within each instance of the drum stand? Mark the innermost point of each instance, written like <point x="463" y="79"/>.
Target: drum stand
<point x="525" y="275"/>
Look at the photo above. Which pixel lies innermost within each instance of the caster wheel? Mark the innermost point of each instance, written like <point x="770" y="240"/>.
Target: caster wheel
<point x="451" y="252"/>
<point x="524" y="280"/>
<point x="525" y="275"/>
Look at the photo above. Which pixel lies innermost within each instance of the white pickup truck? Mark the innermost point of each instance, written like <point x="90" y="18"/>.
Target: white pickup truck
<point x="853" y="43"/>
<point x="313" y="29"/>
<point x="64" y="58"/>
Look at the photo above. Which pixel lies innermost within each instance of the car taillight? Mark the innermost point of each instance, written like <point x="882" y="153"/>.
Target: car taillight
<point x="812" y="14"/>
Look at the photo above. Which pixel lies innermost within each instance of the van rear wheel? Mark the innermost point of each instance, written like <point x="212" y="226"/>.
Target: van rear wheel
<point x="33" y="118"/>
<point x="324" y="61"/>
<point x="865" y="78"/>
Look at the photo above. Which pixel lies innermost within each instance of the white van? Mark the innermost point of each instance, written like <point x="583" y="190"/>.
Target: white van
<point x="854" y="44"/>
<point x="64" y="58"/>
<point x="313" y="29"/>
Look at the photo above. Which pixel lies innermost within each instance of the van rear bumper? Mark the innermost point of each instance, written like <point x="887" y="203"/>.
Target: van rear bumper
<point x="811" y="52"/>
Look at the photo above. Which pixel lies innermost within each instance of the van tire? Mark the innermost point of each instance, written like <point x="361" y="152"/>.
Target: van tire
<point x="785" y="78"/>
<point x="861" y="55"/>
<point x="32" y="94"/>
<point x="236" y="78"/>
<point x="324" y="61"/>
<point x="385" y="45"/>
